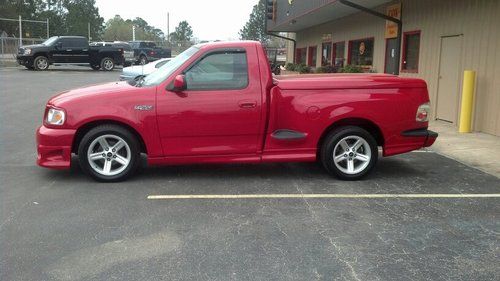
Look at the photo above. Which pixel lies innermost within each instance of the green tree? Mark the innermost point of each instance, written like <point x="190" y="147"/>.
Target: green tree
<point x="255" y="27"/>
<point x="183" y="33"/>
<point x="119" y="29"/>
<point x="79" y="14"/>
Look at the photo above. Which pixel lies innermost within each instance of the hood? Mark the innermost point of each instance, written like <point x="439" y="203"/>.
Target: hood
<point x="32" y="46"/>
<point x="91" y="92"/>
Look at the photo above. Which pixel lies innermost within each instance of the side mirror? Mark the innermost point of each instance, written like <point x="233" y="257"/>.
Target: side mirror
<point x="178" y="85"/>
<point x="59" y="45"/>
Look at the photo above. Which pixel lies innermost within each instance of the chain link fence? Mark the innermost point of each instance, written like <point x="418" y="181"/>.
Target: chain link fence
<point x="9" y="46"/>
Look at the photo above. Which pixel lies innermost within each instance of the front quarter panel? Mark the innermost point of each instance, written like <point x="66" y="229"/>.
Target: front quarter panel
<point x="134" y="107"/>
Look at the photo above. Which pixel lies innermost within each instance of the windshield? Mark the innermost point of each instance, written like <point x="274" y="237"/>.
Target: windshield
<point x="166" y="70"/>
<point x="50" y="41"/>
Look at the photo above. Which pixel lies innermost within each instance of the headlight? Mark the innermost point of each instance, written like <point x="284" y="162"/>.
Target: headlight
<point x="56" y="116"/>
<point x="27" y="51"/>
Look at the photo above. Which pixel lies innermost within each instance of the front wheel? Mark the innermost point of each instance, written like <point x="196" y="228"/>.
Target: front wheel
<point x="109" y="153"/>
<point x="349" y="153"/>
<point x="41" y="63"/>
<point x="143" y="60"/>
<point x="107" y="64"/>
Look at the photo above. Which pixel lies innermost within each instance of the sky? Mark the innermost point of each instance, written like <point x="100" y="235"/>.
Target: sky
<point x="210" y="19"/>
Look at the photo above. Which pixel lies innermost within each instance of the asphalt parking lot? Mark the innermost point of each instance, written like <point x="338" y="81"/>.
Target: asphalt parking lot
<point x="61" y="225"/>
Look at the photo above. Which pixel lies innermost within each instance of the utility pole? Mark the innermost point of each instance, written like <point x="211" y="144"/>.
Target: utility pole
<point x="48" y="29"/>
<point x="133" y="32"/>
<point x="89" y="31"/>
<point x="20" y="32"/>
<point x="168" y="27"/>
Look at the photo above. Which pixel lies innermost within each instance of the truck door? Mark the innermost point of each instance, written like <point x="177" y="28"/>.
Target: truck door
<point x="79" y="50"/>
<point x="60" y="53"/>
<point x="219" y="113"/>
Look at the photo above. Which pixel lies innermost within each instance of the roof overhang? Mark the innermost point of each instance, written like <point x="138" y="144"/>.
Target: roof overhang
<point x="330" y="11"/>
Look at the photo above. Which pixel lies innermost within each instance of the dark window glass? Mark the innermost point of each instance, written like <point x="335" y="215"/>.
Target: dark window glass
<point x="339" y="54"/>
<point x="312" y="56"/>
<point x="219" y="71"/>
<point x="411" y="49"/>
<point x="361" y="52"/>
<point x="326" y="54"/>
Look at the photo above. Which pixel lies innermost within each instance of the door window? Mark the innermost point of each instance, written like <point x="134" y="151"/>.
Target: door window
<point x="219" y="71"/>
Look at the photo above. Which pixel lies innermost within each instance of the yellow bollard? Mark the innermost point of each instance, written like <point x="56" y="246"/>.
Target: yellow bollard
<point x="467" y="102"/>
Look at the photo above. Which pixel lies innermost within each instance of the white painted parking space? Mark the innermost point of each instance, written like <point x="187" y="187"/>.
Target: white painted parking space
<point x="348" y="196"/>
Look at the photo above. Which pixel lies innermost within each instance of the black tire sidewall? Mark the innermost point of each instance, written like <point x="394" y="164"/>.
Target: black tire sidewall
<point x="331" y="141"/>
<point x="104" y="60"/>
<point x="35" y="66"/>
<point x="123" y="133"/>
<point x="143" y="58"/>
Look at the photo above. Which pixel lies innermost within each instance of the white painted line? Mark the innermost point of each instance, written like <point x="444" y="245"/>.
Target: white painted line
<point x="293" y="195"/>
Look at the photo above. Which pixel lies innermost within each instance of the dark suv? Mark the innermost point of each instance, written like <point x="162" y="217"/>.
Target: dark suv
<point x="70" y="50"/>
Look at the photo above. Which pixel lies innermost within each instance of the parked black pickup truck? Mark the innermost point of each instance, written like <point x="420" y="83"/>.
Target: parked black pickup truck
<point x="146" y="51"/>
<point x="71" y="50"/>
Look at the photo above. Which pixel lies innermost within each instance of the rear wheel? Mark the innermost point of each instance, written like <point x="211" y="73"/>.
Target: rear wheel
<point x="109" y="153"/>
<point x="107" y="64"/>
<point x="41" y="63"/>
<point x="349" y="153"/>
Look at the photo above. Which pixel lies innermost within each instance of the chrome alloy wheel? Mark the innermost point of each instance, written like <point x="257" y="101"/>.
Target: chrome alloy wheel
<point x="108" y="64"/>
<point x="352" y="155"/>
<point x="109" y="155"/>
<point x="42" y="63"/>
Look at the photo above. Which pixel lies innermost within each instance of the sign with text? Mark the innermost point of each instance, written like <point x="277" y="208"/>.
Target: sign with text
<point x="391" y="28"/>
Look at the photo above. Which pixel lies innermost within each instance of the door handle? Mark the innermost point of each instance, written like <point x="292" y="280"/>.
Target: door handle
<point x="69" y="50"/>
<point x="247" y="104"/>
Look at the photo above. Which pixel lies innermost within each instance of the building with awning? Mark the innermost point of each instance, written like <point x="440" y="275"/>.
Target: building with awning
<point x="433" y="40"/>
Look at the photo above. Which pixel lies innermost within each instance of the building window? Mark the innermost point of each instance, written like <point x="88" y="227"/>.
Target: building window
<point x="361" y="52"/>
<point x="411" y="49"/>
<point x="326" y="53"/>
<point x="339" y="54"/>
<point x="300" y="55"/>
<point x="311" y="59"/>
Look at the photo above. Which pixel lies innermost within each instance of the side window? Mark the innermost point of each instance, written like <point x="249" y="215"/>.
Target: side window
<point x="65" y="42"/>
<point x="219" y="71"/>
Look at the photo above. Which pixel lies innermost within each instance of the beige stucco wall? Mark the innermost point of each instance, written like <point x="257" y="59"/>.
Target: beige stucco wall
<point x="478" y="21"/>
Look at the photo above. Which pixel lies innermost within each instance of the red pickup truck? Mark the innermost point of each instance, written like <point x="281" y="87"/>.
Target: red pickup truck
<point x="219" y="103"/>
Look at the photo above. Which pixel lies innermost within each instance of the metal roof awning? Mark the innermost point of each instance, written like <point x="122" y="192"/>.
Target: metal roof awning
<point x="331" y="10"/>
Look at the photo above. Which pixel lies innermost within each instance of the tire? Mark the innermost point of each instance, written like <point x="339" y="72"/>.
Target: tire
<point x="41" y="63"/>
<point x="342" y="160"/>
<point x="109" y="165"/>
<point x="143" y="60"/>
<point x="95" y="66"/>
<point x="107" y="64"/>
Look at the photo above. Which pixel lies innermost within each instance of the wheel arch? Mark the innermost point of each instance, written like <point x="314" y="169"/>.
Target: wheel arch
<point x="366" y="124"/>
<point x="85" y="128"/>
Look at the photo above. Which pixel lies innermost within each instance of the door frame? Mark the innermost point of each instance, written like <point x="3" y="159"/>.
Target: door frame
<point x="460" y="77"/>
<point x="385" y="56"/>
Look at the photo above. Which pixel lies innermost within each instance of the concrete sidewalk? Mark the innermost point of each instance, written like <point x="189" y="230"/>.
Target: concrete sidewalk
<point x="478" y="150"/>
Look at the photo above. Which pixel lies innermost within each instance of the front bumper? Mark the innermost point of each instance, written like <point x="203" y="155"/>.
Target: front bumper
<point x="24" y="60"/>
<point x="54" y="147"/>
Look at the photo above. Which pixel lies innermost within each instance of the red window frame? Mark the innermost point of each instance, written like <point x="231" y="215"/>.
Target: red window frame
<point x="310" y="49"/>
<point x="298" y="56"/>
<point x="349" y="47"/>
<point x="404" y="51"/>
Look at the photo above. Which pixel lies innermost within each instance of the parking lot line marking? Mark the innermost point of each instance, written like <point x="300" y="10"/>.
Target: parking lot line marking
<point x="293" y="195"/>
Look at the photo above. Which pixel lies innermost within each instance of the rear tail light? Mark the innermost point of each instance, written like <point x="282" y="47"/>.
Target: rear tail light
<point x="152" y="53"/>
<point x="423" y="112"/>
